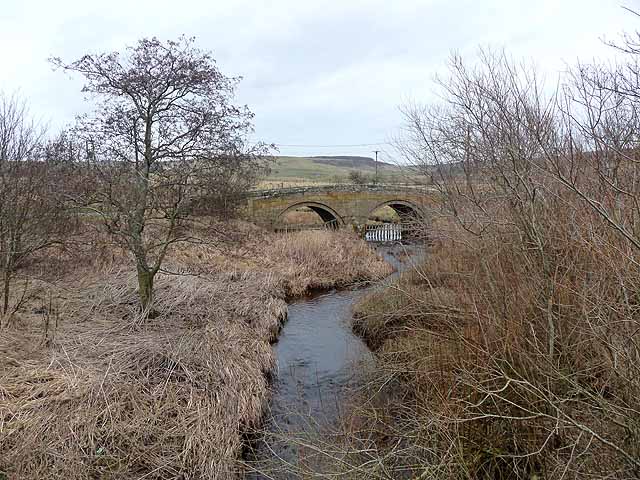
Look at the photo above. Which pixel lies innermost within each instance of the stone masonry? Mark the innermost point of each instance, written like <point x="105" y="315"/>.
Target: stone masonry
<point x="347" y="204"/>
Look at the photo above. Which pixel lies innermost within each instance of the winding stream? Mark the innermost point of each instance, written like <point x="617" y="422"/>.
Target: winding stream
<point x="319" y="360"/>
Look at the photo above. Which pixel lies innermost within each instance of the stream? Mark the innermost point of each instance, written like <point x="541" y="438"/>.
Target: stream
<point x="319" y="361"/>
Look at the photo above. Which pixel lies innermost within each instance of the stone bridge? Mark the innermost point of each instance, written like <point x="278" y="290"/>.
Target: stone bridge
<point x="340" y="204"/>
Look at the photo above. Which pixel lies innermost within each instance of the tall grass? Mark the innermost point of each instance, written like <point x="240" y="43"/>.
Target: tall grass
<point x="311" y="260"/>
<point x="89" y="389"/>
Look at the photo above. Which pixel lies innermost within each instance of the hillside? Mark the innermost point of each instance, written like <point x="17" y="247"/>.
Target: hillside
<point x="327" y="169"/>
<point x="351" y="162"/>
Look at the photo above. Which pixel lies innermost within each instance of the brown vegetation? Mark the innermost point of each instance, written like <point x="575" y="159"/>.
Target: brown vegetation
<point x="90" y="389"/>
<point x="324" y="259"/>
<point x="32" y="217"/>
<point x="470" y="382"/>
<point x="513" y="353"/>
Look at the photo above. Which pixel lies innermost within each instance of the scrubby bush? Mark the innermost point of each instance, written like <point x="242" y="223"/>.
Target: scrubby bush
<point x="516" y="354"/>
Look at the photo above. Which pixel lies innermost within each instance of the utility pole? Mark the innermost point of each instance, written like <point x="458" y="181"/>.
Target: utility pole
<point x="376" y="152"/>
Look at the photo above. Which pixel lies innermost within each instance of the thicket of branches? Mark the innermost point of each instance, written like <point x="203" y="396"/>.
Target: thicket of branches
<point x="165" y="141"/>
<point x="521" y="354"/>
<point x="33" y="216"/>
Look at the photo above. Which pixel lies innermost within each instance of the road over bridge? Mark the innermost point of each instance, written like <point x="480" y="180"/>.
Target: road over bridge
<point x="338" y="204"/>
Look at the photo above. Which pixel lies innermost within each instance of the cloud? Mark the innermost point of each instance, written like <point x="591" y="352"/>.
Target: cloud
<point x="322" y="72"/>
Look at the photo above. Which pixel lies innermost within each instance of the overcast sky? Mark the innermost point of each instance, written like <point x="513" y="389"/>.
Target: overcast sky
<point x="315" y="72"/>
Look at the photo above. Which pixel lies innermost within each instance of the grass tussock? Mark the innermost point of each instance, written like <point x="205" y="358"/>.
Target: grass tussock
<point x="112" y="398"/>
<point x="394" y="310"/>
<point x="89" y="390"/>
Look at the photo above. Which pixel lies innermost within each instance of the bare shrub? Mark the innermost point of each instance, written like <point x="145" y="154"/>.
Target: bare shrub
<point x="358" y="178"/>
<point x="516" y="354"/>
<point x="32" y="216"/>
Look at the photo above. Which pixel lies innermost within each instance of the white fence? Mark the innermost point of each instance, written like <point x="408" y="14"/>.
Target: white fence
<point x="384" y="232"/>
<point x="387" y="232"/>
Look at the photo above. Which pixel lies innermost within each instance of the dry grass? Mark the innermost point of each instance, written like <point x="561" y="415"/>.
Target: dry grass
<point x="88" y="390"/>
<point x="385" y="214"/>
<point x="392" y="311"/>
<point x="112" y="398"/>
<point x="323" y="259"/>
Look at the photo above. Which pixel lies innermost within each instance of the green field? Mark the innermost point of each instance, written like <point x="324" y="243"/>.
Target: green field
<point x="290" y="171"/>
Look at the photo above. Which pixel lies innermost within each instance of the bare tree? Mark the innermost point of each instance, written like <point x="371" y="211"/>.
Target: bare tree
<point x="30" y="214"/>
<point x="164" y="125"/>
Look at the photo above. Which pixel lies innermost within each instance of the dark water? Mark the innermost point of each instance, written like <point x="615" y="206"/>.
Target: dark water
<point x="319" y="361"/>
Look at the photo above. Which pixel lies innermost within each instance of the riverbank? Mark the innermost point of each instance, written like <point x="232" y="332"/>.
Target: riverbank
<point x="89" y="390"/>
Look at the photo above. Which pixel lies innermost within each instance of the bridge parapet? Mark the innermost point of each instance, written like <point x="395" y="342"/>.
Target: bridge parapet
<point x="276" y="192"/>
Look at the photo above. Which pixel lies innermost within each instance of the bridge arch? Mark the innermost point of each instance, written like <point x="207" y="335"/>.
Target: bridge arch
<point x="326" y="213"/>
<point x="403" y="208"/>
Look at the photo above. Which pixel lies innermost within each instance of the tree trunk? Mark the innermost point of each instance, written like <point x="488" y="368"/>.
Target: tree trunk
<point x="5" y="292"/>
<point x="6" y="278"/>
<point x="145" y="288"/>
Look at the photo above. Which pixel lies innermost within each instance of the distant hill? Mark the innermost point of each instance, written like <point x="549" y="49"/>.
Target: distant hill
<point x="326" y="169"/>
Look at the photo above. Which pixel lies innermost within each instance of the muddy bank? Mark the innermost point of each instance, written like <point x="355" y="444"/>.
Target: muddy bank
<point x="87" y="389"/>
